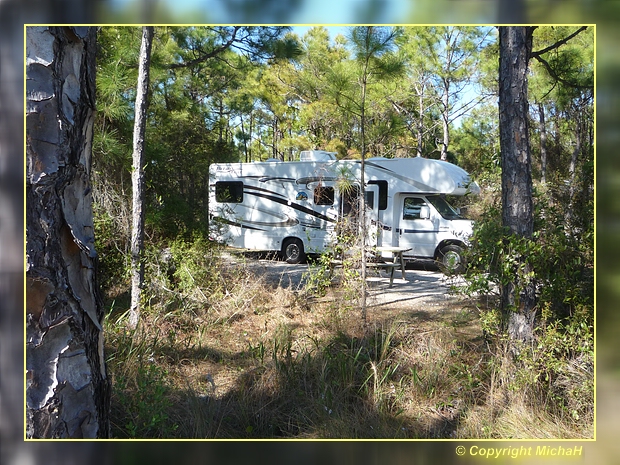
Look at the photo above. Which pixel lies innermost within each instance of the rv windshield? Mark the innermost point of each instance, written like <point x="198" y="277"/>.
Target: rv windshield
<point x="443" y="207"/>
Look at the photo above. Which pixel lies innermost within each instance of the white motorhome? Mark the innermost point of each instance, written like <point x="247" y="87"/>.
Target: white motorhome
<point x="293" y="207"/>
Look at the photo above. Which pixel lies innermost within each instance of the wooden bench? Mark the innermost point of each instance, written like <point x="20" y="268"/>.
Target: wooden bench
<point x="388" y="266"/>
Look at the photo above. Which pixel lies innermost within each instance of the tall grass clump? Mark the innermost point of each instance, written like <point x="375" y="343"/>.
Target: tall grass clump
<point x="141" y="390"/>
<point x="182" y="298"/>
<point x="338" y="386"/>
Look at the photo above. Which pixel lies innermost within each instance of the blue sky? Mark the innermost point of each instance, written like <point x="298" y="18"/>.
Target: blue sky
<point x="310" y="11"/>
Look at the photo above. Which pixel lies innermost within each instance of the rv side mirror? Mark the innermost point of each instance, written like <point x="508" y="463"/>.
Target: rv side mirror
<point x="425" y="212"/>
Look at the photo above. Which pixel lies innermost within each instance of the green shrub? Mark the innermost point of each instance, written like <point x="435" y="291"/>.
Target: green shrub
<point x="195" y="263"/>
<point x="111" y="245"/>
<point x="145" y="399"/>
<point x="559" y="261"/>
<point x="559" y="368"/>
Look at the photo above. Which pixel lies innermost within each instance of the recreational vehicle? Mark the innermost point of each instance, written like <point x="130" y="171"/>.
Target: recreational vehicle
<point x="293" y="208"/>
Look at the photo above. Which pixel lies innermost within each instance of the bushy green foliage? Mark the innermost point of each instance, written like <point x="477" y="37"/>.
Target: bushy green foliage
<point x="141" y="390"/>
<point x="557" y="259"/>
<point x="339" y="262"/>
<point x="182" y="273"/>
<point x="559" y="367"/>
<point x="111" y="245"/>
<point x="555" y="370"/>
<point x="319" y="276"/>
<point x="194" y="263"/>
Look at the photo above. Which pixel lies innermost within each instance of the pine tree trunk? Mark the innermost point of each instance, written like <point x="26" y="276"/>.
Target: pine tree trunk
<point x="67" y="390"/>
<point x="445" y="122"/>
<point x="518" y="298"/>
<point x="137" y="177"/>
<point x="542" y="128"/>
<point x="572" y="172"/>
<point x="420" y="127"/>
<point x="362" y="200"/>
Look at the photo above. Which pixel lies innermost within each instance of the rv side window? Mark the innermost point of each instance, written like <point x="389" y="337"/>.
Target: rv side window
<point x="412" y="207"/>
<point x="323" y="195"/>
<point x="370" y="199"/>
<point x="383" y="193"/>
<point x="229" y="191"/>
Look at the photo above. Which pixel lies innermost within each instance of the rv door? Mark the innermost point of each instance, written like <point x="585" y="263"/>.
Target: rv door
<point x="416" y="226"/>
<point x="348" y="211"/>
<point x="373" y="231"/>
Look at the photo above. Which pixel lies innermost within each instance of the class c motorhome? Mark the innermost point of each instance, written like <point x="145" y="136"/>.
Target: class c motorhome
<point x="293" y="207"/>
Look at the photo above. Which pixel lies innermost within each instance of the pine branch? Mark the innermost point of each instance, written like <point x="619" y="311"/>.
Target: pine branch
<point x="558" y="44"/>
<point x="202" y="58"/>
<point x="538" y="56"/>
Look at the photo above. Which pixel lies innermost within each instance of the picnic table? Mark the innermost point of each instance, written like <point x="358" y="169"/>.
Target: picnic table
<point x="398" y="260"/>
<point x="396" y="255"/>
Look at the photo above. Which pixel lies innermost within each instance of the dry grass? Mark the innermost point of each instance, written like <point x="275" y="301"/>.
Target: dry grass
<point x="247" y="359"/>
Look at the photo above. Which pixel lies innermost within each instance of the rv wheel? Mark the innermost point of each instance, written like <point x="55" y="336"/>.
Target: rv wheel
<point x="451" y="259"/>
<point x="293" y="251"/>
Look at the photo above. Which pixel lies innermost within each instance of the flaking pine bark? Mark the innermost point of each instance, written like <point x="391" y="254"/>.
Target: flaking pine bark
<point x="67" y="388"/>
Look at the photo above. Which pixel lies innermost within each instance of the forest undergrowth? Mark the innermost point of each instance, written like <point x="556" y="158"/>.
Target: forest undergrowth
<point x="221" y="353"/>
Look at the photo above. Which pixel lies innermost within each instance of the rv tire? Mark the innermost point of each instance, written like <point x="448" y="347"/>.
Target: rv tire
<point x="451" y="260"/>
<point x="293" y="251"/>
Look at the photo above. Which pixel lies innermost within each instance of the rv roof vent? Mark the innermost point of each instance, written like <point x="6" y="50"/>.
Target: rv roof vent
<point x="316" y="155"/>
<point x="272" y="160"/>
